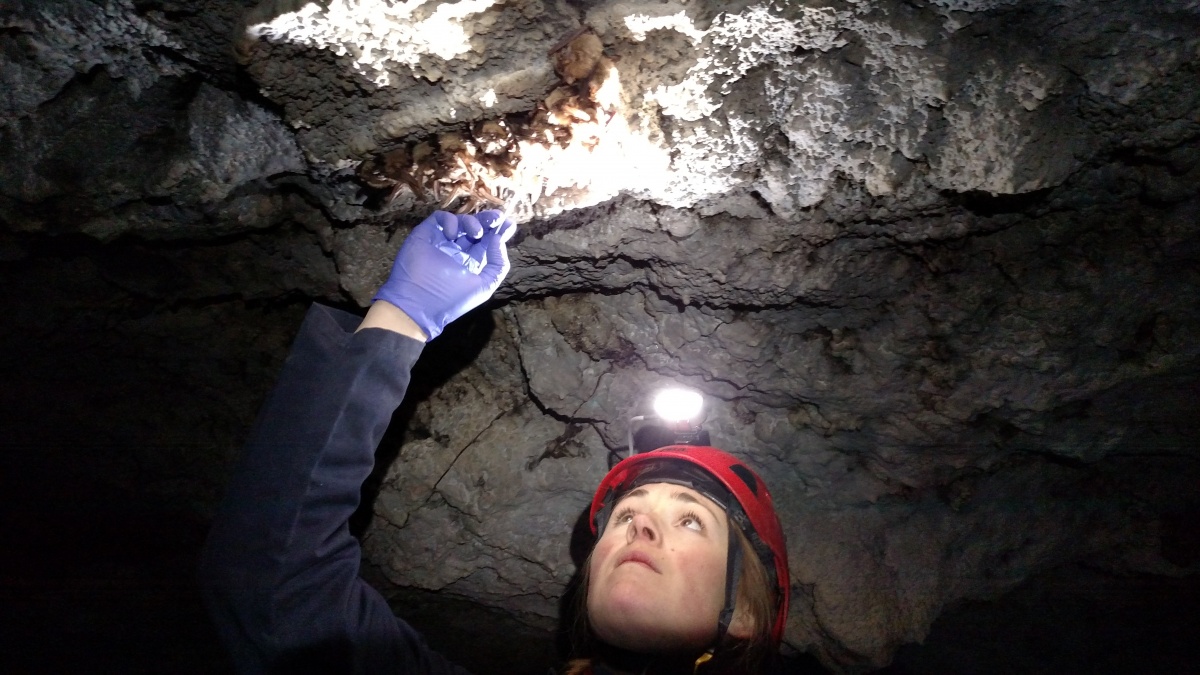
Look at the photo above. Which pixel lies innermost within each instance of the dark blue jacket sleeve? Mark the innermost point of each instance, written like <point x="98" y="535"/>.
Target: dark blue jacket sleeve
<point x="280" y="569"/>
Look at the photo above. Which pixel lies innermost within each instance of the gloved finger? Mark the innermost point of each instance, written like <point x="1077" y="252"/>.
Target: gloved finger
<point x="470" y="226"/>
<point x="497" y="255"/>
<point x="507" y="229"/>
<point x="447" y="222"/>
<point x="491" y="218"/>
<point x="429" y="230"/>
<point x="478" y="252"/>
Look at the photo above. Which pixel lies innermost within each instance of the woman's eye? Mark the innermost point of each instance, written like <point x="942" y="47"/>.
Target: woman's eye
<point x="623" y="517"/>
<point x="692" y="522"/>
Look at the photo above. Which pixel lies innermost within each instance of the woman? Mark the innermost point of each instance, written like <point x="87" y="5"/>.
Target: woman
<point x="689" y="572"/>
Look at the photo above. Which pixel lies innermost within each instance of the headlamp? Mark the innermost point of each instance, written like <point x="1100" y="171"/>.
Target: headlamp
<point x="676" y="422"/>
<point x="678" y="405"/>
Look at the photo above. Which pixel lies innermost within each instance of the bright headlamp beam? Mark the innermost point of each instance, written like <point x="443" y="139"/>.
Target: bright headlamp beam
<point x="678" y="405"/>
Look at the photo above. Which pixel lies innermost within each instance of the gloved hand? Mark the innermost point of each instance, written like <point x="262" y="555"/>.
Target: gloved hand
<point x="448" y="265"/>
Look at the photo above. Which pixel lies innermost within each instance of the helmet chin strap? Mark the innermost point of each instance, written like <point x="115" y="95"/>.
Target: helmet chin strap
<point x="733" y="572"/>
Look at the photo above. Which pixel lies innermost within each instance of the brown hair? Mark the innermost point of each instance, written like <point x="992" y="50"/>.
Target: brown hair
<point x="756" y="597"/>
<point x="744" y="654"/>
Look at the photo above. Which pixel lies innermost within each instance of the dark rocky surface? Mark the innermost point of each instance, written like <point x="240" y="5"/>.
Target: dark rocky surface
<point x="934" y="265"/>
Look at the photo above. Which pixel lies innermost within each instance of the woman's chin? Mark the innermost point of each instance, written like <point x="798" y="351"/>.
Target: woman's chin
<point x="641" y="629"/>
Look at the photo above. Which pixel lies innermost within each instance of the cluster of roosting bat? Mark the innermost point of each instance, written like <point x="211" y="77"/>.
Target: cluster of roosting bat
<point x="471" y="168"/>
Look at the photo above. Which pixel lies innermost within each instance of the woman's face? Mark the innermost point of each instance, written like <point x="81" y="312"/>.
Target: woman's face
<point x="656" y="579"/>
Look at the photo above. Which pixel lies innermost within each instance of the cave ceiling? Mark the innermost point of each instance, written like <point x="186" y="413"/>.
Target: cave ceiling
<point x="932" y="263"/>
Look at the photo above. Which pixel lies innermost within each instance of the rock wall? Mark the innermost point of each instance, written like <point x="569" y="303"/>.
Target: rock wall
<point x="932" y="263"/>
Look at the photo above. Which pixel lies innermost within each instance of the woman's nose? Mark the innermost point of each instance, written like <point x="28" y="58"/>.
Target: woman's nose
<point x="642" y="525"/>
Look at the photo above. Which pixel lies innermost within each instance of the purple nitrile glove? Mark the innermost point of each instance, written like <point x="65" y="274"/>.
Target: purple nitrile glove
<point x="448" y="265"/>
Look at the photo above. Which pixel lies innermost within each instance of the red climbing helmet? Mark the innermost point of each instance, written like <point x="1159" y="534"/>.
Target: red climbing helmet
<point x="727" y="481"/>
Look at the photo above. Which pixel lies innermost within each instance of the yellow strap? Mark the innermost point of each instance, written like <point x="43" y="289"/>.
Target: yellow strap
<point x="704" y="658"/>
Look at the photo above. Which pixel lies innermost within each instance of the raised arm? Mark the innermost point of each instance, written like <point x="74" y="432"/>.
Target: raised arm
<point x="280" y="567"/>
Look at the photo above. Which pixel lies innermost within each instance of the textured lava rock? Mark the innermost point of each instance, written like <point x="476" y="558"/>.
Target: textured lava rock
<point x="934" y="265"/>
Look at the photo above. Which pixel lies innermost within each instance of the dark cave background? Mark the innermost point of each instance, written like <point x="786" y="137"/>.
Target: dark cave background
<point x="145" y="321"/>
<point x="104" y="396"/>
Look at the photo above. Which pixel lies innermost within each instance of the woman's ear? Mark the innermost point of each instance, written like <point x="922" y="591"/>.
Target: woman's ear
<point x="742" y="626"/>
